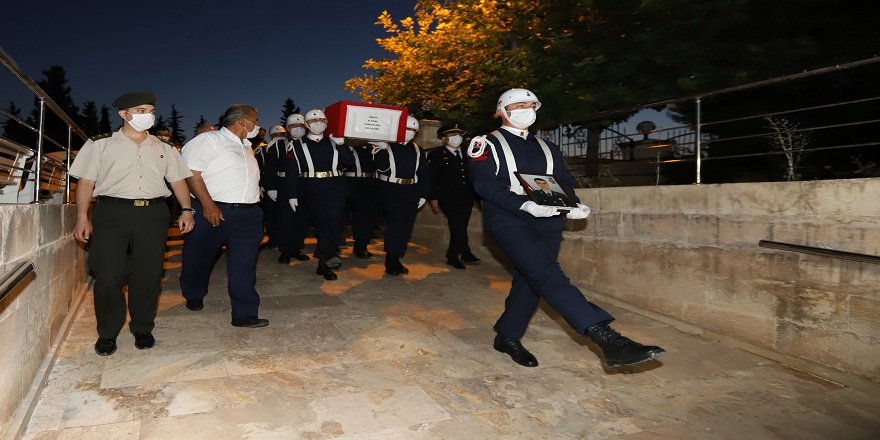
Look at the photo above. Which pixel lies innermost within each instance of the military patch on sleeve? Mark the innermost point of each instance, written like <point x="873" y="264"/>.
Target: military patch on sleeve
<point x="101" y="136"/>
<point x="483" y="157"/>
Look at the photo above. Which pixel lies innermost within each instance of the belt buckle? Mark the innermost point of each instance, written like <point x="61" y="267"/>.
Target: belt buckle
<point x="141" y="202"/>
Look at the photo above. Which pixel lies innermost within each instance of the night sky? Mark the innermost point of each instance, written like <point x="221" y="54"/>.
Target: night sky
<point x="200" y="56"/>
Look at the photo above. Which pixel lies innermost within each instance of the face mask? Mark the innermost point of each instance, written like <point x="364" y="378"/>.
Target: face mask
<point x="141" y="122"/>
<point x="255" y="131"/>
<point x="409" y="135"/>
<point x="522" y="118"/>
<point x="317" y="127"/>
<point x="297" y="132"/>
<point x="455" y="141"/>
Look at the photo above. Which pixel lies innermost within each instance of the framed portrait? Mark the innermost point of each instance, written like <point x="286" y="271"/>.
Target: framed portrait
<point x="544" y="189"/>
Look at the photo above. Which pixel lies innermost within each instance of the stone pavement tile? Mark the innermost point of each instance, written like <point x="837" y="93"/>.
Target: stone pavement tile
<point x="466" y="396"/>
<point x="70" y="373"/>
<point x="156" y="366"/>
<point x="115" y="431"/>
<point x="265" y="421"/>
<point x="850" y="406"/>
<point x="554" y="420"/>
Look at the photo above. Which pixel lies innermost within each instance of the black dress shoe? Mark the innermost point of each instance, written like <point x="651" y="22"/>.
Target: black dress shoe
<point x="362" y="253"/>
<point x="105" y="347"/>
<point x="284" y="259"/>
<point x="517" y="352"/>
<point x="325" y="271"/>
<point x="195" y="304"/>
<point x="470" y="259"/>
<point x="144" y="341"/>
<point x="620" y="351"/>
<point x="250" y="322"/>
<point x="302" y="257"/>
<point x="454" y="262"/>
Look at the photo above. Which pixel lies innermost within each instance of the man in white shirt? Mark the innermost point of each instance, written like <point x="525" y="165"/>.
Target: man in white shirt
<point x="226" y="183"/>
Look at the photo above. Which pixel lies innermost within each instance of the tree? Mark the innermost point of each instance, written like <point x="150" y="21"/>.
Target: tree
<point x="159" y="124"/>
<point x="104" y="123"/>
<point x="88" y="119"/>
<point x="55" y="86"/>
<point x="176" y="130"/>
<point x="202" y="121"/>
<point x="289" y="108"/>
<point x="14" y="131"/>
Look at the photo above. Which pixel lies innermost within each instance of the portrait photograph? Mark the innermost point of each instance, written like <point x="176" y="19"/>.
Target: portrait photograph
<point x="544" y="189"/>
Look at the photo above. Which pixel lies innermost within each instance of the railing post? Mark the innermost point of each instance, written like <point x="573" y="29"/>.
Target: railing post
<point x="699" y="141"/>
<point x="38" y="168"/>
<point x="67" y="165"/>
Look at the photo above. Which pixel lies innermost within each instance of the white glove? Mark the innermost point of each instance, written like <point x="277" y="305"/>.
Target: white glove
<point x="537" y="210"/>
<point x="293" y="204"/>
<point x="582" y="211"/>
<point x="421" y="202"/>
<point x="337" y="140"/>
<point x="273" y="194"/>
<point x="378" y="146"/>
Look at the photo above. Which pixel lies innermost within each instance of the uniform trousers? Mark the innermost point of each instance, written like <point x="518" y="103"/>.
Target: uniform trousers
<point x="532" y="245"/>
<point x="292" y="225"/>
<point x="458" y="215"/>
<point x="325" y="205"/>
<point x="128" y="245"/>
<point x="241" y="232"/>
<point x="364" y="204"/>
<point x="400" y="203"/>
<point x="272" y="218"/>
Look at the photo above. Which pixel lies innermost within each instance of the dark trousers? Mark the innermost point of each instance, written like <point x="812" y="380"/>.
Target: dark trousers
<point x="364" y="205"/>
<point x="532" y="245"/>
<point x="458" y="215"/>
<point x="128" y="245"/>
<point x="400" y="203"/>
<point x="325" y="204"/>
<point x="272" y="218"/>
<point x="241" y="232"/>
<point x="292" y="225"/>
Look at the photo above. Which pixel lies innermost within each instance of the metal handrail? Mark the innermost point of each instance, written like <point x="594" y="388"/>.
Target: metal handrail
<point x="14" y="278"/>
<point x="812" y="250"/>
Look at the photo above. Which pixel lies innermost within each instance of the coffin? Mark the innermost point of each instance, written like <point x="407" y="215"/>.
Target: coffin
<point x="373" y="122"/>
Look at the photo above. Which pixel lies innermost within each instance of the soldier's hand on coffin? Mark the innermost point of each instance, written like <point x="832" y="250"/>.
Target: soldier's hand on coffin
<point x="273" y="194"/>
<point x="537" y="210"/>
<point x="293" y="204"/>
<point x="337" y="140"/>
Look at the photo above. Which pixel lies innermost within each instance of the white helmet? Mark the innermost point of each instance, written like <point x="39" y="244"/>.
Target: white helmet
<point x="513" y="96"/>
<point x="315" y="113"/>
<point x="277" y="129"/>
<point x="412" y="123"/>
<point x="295" y="119"/>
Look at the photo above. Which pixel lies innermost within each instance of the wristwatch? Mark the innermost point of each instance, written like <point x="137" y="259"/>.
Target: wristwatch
<point x="190" y="210"/>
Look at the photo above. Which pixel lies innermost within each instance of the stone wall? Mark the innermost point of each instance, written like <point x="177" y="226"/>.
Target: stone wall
<point x="33" y="316"/>
<point x="689" y="255"/>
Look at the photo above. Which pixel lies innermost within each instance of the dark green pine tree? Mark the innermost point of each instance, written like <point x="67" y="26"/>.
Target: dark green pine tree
<point x="160" y="124"/>
<point x="14" y="131"/>
<point x="104" y="122"/>
<point x="177" y="136"/>
<point x="289" y="108"/>
<point x="202" y="121"/>
<point x="55" y="85"/>
<point x="88" y="119"/>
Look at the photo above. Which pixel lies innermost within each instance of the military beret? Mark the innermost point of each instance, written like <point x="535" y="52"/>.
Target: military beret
<point x="134" y="99"/>
<point x="449" y="129"/>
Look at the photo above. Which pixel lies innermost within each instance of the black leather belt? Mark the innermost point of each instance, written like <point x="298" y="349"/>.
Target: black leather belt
<point x="131" y="202"/>
<point x="235" y="205"/>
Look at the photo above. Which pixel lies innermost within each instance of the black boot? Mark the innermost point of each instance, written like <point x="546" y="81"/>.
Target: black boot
<point x="284" y="258"/>
<point x="325" y="271"/>
<point x="362" y="252"/>
<point x="618" y="350"/>
<point x="301" y="256"/>
<point x="515" y="349"/>
<point x="393" y="266"/>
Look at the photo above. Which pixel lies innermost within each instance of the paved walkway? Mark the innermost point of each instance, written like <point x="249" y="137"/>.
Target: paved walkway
<point x="376" y="357"/>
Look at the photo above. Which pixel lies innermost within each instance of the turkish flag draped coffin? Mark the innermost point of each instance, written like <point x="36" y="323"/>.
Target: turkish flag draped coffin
<point x="372" y="122"/>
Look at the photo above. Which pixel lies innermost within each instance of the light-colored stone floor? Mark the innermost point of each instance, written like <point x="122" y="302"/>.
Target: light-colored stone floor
<point x="377" y="357"/>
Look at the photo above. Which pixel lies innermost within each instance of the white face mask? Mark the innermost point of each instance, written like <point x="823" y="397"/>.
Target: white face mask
<point x="297" y="132"/>
<point x="142" y="121"/>
<point x="409" y="135"/>
<point x="317" y="127"/>
<point x="522" y="118"/>
<point x="455" y="141"/>
<point x="255" y="131"/>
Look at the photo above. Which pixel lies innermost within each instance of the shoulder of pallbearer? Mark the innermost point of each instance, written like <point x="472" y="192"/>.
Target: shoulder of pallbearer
<point x="367" y="122"/>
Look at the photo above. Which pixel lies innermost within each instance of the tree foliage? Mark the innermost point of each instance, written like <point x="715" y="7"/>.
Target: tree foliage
<point x="288" y="109"/>
<point x="88" y="119"/>
<point x="177" y="136"/>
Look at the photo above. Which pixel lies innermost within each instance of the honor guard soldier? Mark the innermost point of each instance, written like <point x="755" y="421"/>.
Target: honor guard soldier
<point x="127" y="171"/>
<point x="226" y="183"/>
<point x="530" y="235"/>
<point x="268" y="157"/>
<point x="293" y="224"/>
<point x="363" y="202"/>
<point x="452" y="193"/>
<point x="321" y="187"/>
<point x="403" y="189"/>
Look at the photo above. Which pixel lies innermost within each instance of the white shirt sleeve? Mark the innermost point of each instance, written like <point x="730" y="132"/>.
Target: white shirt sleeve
<point x="198" y="152"/>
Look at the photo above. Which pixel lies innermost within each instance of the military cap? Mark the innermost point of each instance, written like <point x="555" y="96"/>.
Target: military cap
<point x="449" y="129"/>
<point x="134" y="99"/>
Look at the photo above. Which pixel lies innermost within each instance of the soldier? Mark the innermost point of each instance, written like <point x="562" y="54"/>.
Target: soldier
<point x="363" y="201"/>
<point x="452" y="194"/>
<point x="268" y="157"/>
<point x="127" y="171"/>
<point x="321" y="186"/>
<point x="403" y="189"/>
<point x="530" y="235"/>
<point x="293" y="224"/>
